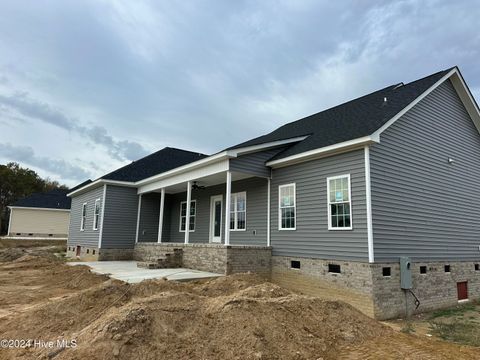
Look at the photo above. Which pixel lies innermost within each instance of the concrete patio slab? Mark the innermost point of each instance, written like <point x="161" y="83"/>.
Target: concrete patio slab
<point x="129" y="272"/>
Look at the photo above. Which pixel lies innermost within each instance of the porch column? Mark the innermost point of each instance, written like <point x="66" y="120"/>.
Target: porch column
<point x="228" y="197"/>
<point x="187" y="217"/>
<point x="160" y="217"/>
<point x="268" y="212"/>
<point x="138" y="217"/>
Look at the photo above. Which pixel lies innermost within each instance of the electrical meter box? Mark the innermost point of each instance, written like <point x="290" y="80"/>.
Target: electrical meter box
<point x="405" y="273"/>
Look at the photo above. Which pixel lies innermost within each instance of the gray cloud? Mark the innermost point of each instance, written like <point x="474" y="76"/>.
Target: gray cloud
<point x="34" y="109"/>
<point x="26" y="155"/>
<point x="205" y="75"/>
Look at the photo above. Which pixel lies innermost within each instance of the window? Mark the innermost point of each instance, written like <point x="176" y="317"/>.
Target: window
<point x="238" y="212"/>
<point x="84" y="217"/>
<point x="386" y="271"/>
<point x="286" y="207"/>
<point x="334" y="268"/>
<point x="96" y="214"/>
<point x="447" y="268"/>
<point x="477" y="267"/>
<point x="423" y="269"/>
<point x="339" y="203"/>
<point x="183" y="215"/>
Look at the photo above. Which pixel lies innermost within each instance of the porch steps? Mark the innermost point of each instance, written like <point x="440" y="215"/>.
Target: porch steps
<point x="168" y="261"/>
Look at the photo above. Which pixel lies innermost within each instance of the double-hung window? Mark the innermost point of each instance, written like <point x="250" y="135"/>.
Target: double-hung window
<point x="286" y="207"/>
<point x="339" y="203"/>
<point x="238" y="211"/>
<point x="183" y="215"/>
<point x="96" y="214"/>
<point x="84" y="217"/>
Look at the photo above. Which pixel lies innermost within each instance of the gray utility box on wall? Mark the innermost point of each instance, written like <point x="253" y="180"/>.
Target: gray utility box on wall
<point x="405" y="273"/>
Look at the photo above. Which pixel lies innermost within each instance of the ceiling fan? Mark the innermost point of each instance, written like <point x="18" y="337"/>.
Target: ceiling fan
<point x="195" y="186"/>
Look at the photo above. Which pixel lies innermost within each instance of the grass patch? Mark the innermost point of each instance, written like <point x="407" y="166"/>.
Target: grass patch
<point x="455" y="311"/>
<point x="466" y="333"/>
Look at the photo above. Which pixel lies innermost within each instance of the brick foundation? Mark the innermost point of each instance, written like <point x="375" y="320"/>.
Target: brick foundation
<point x="436" y="289"/>
<point x="216" y="258"/>
<point x="364" y="286"/>
<point x="37" y="235"/>
<point x="87" y="253"/>
<point x="90" y="253"/>
<point x="353" y="285"/>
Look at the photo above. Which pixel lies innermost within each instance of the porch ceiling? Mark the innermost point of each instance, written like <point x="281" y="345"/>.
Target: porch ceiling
<point x="211" y="180"/>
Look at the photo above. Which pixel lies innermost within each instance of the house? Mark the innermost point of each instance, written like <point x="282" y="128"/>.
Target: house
<point x="40" y="216"/>
<point x="373" y="202"/>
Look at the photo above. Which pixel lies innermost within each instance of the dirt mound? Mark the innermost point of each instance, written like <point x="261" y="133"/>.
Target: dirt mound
<point x="11" y="254"/>
<point x="236" y="317"/>
<point x="159" y="319"/>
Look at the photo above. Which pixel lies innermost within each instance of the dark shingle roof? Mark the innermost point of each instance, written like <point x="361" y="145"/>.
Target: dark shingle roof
<point x="354" y="119"/>
<point x="54" y="199"/>
<point x="80" y="185"/>
<point x="153" y="164"/>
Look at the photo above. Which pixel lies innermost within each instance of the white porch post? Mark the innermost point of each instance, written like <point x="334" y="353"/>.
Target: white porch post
<point x="268" y="212"/>
<point x="138" y="217"/>
<point x="187" y="218"/>
<point x="160" y="216"/>
<point x="228" y="197"/>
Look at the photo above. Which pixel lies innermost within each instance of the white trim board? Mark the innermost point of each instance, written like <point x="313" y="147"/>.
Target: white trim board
<point x="412" y="104"/>
<point x="368" y="196"/>
<point x="37" y="208"/>
<point x="100" y="235"/>
<point x="460" y="87"/>
<point x="324" y="151"/>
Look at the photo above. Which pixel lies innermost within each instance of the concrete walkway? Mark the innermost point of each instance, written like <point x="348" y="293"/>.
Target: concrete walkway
<point x="129" y="272"/>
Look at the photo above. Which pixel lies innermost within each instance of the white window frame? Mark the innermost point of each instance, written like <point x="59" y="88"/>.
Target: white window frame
<point x="194" y="217"/>
<point x="280" y="208"/>
<point x="96" y="217"/>
<point x="330" y="227"/>
<point x="234" y="213"/>
<point x="83" y="217"/>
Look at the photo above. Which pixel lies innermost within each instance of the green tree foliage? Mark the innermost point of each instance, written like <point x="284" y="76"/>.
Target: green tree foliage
<point x="17" y="182"/>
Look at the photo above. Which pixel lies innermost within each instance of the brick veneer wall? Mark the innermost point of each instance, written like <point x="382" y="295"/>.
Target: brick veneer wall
<point x="353" y="285"/>
<point x="216" y="258"/>
<point x="436" y="289"/>
<point x="92" y="254"/>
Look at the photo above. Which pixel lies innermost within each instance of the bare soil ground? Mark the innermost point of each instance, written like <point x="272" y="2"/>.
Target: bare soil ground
<point x="236" y="317"/>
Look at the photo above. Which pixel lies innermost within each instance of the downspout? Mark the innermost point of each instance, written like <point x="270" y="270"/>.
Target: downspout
<point x="368" y="190"/>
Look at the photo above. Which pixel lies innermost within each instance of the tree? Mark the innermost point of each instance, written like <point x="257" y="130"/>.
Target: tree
<point x="17" y="182"/>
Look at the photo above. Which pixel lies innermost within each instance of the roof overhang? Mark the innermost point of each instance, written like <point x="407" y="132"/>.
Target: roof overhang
<point x="460" y="87"/>
<point x="98" y="183"/>
<point x="324" y="151"/>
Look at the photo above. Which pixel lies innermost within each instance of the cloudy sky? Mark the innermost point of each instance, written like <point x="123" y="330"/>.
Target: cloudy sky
<point x="88" y="86"/>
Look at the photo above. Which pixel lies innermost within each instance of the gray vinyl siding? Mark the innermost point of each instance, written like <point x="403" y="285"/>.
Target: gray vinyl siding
<point x="422" y="206"/>
<point x="254" y="163"/>
<point x="312" y="238"/>
<point x="256" y="190"/>
<point x="120" y="220"/>
<point x="88" y="237"/>
<point x="149" y="218"/>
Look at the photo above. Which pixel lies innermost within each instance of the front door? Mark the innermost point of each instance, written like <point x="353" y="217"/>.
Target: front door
<point x="216" y="219"/>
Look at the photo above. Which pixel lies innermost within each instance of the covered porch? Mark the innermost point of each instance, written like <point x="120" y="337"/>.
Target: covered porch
<point x="228" y="227"/>
<point x="229" y="208"/>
